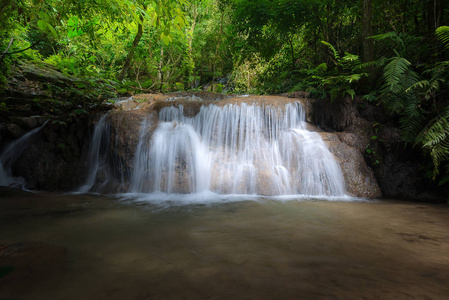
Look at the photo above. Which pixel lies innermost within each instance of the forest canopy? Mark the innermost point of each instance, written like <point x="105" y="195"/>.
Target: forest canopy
<point x="394" y="54"/>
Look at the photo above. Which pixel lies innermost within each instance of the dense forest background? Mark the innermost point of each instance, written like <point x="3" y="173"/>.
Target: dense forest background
<point x="393" y="54"/>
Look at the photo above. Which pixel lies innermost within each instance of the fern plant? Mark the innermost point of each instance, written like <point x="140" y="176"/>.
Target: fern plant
<point x="398" y="92"/>
<point x="338" y="82"/>
<point x="410" y="95"/>
<point x="435" y="136"/>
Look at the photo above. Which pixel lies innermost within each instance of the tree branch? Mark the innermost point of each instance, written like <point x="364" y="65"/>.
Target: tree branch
<point x="7" y="48"/>
<point x="34" y="44"/>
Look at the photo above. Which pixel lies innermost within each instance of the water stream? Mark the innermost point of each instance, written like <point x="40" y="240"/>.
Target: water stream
<point x="233" y="149"/>
<point x="236" y="149"/>
<point x="10" y="155"/>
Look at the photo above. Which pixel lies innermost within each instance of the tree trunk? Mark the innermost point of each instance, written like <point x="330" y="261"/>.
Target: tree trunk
<point x="160" y="74"/>
<point x="130" y="55"/>
<point x="367" y="31"/>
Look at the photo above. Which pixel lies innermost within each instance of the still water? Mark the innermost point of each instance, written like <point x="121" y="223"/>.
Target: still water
<point x="95" y="247"/>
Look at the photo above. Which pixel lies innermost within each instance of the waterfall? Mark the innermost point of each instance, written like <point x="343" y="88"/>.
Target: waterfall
<point x="97" y="153"/>
<point x="235" y="149"/>
<point x="10" y="155"/>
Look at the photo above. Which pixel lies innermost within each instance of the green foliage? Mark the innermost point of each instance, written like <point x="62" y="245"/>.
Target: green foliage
<point x="3" y="107"/>
<point x="443" y="34"/>
<point x="413" y="97"/>
<point x="336" y="82"/>
<point x="260" y="46"/>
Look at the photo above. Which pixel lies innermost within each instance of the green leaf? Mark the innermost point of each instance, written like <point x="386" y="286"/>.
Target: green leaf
<point x="332" y="48"/>
<point x="350" y="92"/>
<point x="42" y="24"/>
<point x="166" y="39"/>
<point x="180" y="21"/>
<point x="52" y="30"/>
<point x="443" y="34"/>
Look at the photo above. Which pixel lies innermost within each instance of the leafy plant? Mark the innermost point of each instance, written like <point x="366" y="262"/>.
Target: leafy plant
<point x="338" y="81"/>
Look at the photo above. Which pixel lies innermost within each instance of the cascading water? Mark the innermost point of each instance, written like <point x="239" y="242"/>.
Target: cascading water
<point x="97" y="155"/>
<point x="10" y="155"/>
<point x="235" y="149"/>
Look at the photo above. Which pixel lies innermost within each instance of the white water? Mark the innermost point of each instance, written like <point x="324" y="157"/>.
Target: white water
<point x="96" y="156"/>
<point x="235" y="149"/>
<point x="10" y="155"/>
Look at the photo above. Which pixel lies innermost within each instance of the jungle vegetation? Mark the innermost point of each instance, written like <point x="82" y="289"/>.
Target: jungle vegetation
<point x="394" y="54"/>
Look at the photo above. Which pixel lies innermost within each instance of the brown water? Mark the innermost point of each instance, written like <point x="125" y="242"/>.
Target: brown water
<point x="92" y="247"/>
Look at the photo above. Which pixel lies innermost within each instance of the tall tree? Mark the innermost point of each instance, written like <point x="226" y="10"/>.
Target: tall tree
<point x="136" y="41"/>
<point x="367" y="31"/>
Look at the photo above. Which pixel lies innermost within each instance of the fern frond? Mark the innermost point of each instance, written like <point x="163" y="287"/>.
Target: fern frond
<point x="394" y="73"/>
<point x="420" y="84"/>
<point x="375" y="63"/>
<point x="439" y="154"/>
<point x="351" y="57"/>
<point x="410" y="78"/>
<point x="443" y="34"/>
<point x="394" y="103"/>
<point x="332" y="48"/>
<point x="355" y="77"/>
<point x="436" y="131"/>
<point x="412" y="120"/>
<point x="435" y="138"/>
<point x="389" y="35"/>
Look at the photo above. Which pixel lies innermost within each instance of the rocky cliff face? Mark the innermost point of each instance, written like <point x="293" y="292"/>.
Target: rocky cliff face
<point x="365" y="127"/>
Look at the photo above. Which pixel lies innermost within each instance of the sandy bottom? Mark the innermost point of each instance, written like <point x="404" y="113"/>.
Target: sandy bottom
<point x="92" y="247"/>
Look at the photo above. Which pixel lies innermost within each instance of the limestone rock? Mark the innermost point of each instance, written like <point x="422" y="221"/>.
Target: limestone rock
<point x="125" y="133"/>
<point x="359" y="179"/>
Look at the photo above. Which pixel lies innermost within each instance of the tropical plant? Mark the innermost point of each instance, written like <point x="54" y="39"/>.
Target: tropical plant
<point x="424" y="120"/>
<point x="434" y="138"/>
<point x="334" y="82"/>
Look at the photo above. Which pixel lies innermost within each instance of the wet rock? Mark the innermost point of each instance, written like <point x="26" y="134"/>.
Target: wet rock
<point x="204" y="95"/>
<point x="359" y="178"/>
<point x="334" y="115"/>
<point x="125" y="133"/>
<point x="14" y="131"/>
<point x="53" y="161"/>
<point x="401" y="180"/>
<point x="28" y="123"/>
<point x="353" y="140"/>
<point x="2" y="135"/>
<point x="368" y="129"/>
<point x="46" y="73"/>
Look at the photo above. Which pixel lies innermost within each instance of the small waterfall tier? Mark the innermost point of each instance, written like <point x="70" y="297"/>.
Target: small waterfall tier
<point x="235" y="149"/>
<point x="9" y="156"/>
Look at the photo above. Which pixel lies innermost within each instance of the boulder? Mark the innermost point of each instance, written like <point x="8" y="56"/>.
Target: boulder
<point x="359" y="178"/>
<point x="14" y="131"/>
